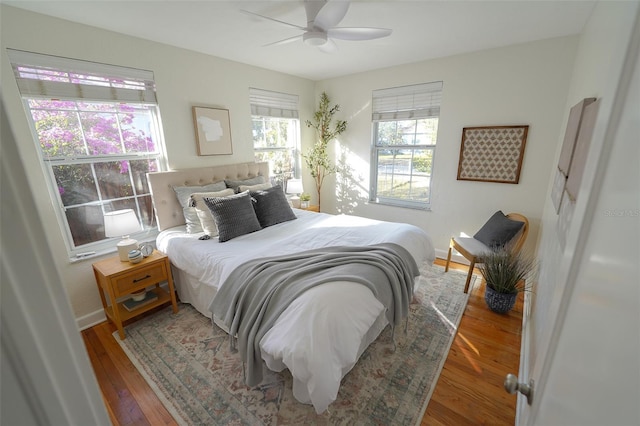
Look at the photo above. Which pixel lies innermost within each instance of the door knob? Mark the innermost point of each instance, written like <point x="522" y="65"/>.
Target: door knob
<point x="512" y="386"/>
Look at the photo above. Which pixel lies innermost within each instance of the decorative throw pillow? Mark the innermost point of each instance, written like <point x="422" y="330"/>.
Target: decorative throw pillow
<point x="234" y="215"/>
<point x="498" y="230"/>
<point x="257" y="187"/>
<point x="235" y="184"/>
<point x="271" y="206"/>
<point x="204" y="214"/>
<point x="184" y="198"/>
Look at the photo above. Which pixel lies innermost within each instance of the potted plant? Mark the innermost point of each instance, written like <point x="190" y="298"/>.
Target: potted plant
<point x="304" y="200"/>
<point x="317" y="158"/>
<point x="505" y="272"/>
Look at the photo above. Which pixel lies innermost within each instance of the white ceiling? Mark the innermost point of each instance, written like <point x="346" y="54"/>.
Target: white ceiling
<point x="421" y="29"/>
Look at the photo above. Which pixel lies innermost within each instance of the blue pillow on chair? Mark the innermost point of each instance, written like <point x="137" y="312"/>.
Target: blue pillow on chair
<point x="498" y="230"/>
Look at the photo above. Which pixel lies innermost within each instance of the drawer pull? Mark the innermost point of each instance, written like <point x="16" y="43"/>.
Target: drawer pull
<point x="142" y="279"/>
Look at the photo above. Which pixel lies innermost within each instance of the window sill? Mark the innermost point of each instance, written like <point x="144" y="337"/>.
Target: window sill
<point x="100" y="252"/>
<point x="400" y="205"/>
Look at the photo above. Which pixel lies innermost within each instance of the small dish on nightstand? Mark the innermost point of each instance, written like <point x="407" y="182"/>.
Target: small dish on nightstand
<point x="139" y="295"/>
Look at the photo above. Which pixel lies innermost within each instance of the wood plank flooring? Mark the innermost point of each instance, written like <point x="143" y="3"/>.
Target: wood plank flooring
<point x="469" y="390"/>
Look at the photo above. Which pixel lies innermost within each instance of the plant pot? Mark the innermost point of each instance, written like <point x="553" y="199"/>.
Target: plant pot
<point x="499" y="302"/>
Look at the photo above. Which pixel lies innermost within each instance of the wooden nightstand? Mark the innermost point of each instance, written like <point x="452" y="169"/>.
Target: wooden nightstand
<point x="117" y="279"/>
<point x="312" y="208"/>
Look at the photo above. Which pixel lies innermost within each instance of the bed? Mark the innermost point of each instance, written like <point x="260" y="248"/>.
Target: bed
<point x="322" y="333"/>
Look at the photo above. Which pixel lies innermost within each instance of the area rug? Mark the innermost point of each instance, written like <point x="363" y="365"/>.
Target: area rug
<point x="187" y="362"/>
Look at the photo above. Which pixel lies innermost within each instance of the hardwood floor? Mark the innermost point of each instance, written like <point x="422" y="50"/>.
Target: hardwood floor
<point x="469" y="390"/>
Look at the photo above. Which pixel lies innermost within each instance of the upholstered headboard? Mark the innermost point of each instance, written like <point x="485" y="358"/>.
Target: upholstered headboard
<point x="168" y="209"/>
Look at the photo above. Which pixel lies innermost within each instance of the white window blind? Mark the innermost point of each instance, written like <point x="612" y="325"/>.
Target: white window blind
<point x="273" y="104"/>
<point x="55" y="77"/>
<point x="407" y="102"/>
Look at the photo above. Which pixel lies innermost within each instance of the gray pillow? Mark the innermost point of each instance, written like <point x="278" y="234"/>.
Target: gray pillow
<point x="184" y="198"/>
<point x="498" y="230"/>
<point x="235" y="184"/>
<point x="234" y="215"/>
<point x="271" y="206"/>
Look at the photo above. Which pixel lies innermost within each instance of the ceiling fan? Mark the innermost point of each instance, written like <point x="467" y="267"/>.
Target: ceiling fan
<point x="321" y="30"/>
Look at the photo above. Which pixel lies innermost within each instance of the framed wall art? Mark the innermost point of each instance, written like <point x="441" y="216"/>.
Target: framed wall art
<point x="569" y="146"/>
<point x="213" y="131"/>
<point x="492" y="153"/>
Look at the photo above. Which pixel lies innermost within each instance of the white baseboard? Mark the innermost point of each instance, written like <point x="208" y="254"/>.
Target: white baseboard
<point x="89" y="320"/>
<point x="442" y="254"/>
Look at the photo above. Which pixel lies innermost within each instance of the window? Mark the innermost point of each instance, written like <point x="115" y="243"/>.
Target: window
<point x="405" y="131"/>
<point x="276" y="130"/>
<point x="97" y="130"/>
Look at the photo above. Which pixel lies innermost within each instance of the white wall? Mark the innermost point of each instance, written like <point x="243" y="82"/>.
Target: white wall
<point x="520" y="84"/>
<point x="183" y="78"/>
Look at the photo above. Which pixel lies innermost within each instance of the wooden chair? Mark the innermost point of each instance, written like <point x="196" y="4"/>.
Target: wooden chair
<point x="473" y="249"/>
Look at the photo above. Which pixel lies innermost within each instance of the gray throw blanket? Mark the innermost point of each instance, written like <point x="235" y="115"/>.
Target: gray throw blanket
<point x="254" y="295"/>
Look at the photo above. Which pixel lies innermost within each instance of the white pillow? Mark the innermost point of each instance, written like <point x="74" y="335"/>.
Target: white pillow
<point x="258" y="187"/>
<point x="204" y="214"/>
<point x="183" y="193"/>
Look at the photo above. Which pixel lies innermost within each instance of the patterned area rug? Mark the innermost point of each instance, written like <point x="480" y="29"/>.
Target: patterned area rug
<point x="187" y="362"/>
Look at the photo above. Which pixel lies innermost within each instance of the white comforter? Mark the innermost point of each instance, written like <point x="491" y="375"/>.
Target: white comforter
<point x="319" y="337"/>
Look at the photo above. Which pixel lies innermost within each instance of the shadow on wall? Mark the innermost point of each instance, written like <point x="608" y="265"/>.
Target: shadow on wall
<point x="349" y="187"/>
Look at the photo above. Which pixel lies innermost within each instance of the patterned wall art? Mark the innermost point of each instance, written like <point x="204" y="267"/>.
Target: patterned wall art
<point x="213" y="131"/>
<point x="492" y="153"/>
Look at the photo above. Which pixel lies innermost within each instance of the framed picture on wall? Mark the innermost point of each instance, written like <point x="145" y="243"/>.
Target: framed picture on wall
<point x="213" y="131"/>
<point x="575" y="132"/>
<point x="492" y="153"/>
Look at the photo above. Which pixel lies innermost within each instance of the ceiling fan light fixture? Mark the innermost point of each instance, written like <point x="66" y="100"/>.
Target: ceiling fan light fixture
<point x="315" y="38"/>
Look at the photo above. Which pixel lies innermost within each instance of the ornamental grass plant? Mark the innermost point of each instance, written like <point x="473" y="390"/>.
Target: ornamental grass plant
<point x="507" y="271"/>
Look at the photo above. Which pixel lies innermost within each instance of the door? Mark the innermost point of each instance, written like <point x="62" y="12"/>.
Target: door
<point x="584" y="354"/>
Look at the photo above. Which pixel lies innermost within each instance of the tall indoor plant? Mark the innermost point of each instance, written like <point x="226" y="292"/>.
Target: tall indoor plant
<point x="506" y="273"/>
<point x="317" y="158"/>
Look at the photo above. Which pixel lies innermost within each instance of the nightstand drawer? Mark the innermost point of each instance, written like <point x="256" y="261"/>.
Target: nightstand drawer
<point x="140" y="278"/>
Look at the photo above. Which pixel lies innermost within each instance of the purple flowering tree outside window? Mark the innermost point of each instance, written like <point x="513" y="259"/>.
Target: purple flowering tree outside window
<point x="99" y="154"/>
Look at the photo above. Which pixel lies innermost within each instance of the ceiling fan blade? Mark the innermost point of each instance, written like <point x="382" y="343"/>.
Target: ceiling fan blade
<point x="274" y="20"/>
<point x="329" y="47"/>
<point x="331" y="14"/>
<point x="358" y="33"/>
<point x="284" y="41"/>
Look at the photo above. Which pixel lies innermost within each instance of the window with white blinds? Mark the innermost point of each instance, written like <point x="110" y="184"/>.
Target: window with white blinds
<point x="276" y="132"/>
<point x="405" y="130"/>
<point x="97" y="129"/>
<point x="55" y="77"/>
<point x="407" y="102"/>
<point x="273" y="104"/>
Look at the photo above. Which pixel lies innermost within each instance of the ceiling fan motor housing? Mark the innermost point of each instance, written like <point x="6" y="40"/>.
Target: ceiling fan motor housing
<point x="315" y="38"/>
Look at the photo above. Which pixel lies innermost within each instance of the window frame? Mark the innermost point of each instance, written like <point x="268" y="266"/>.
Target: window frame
<point x="423" y="102"/>
<point x="395" y="201"/>
<point x="48" y="164"/>
<point x="269" y="105"/>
